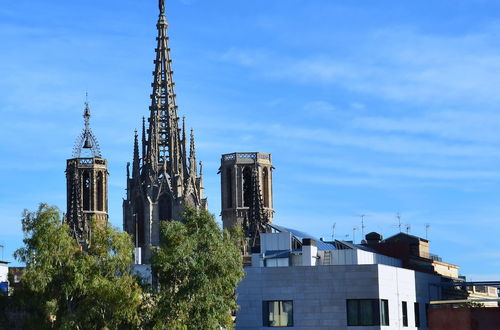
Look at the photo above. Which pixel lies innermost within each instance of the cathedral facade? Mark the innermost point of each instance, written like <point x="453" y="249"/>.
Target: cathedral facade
<point x="165" y="174"/>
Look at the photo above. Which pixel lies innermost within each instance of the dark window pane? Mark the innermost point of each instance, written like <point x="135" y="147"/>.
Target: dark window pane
<point x="352" y="312"/>
<point x="405" y="314"/>
<point x="427" y="314"/>
<point x="417" y="315"/>
<point x="384" y="312"/>
<point x="363" y="312"/>
<point x="288" y="311"/>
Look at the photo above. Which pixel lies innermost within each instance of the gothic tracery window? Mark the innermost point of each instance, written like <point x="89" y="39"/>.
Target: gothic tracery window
<point x="87" y="191"/>
<point x="247" y="186"/>
<point x="100" y="192"/>
<point x="229" y="188"/>
<point x="265" y="179"/>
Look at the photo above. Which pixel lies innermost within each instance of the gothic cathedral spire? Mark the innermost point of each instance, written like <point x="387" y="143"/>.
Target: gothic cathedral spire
<point x="163" y="182"/>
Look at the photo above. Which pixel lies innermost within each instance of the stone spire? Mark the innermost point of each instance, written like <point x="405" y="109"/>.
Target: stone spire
<point x="192" y="156"/>
<point x="136" y="161"/>
<point x="143" y="138"/>
<point x="161" y="182"/>
<point x="163" y="149"/>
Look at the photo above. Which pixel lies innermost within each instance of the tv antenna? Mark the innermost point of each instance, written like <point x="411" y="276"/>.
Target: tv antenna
<point x="427" y="225"/>
<point x="408" y="227"/>
<point x="2" y="247"/>
<point x="333" y="231"/>
<point x="398" y="216"/>
<point x="362" y="216"/>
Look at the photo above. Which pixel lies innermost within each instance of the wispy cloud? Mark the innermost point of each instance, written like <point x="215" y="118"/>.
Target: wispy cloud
<point x="403" y="65"/>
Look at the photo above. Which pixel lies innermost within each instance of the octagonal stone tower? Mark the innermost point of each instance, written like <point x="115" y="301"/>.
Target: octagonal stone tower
<point x="246" y="188"/>
<point x="86" y="184"/>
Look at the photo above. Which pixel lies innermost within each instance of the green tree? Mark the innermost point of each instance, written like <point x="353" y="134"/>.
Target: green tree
<point x="65" y="287"/>
<point x="197" y="268"/>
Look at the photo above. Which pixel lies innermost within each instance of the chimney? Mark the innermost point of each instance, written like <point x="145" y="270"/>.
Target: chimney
<point x="309" y="252"/>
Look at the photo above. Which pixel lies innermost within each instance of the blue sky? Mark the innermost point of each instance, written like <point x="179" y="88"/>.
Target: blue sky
<point x="367" y="107"/>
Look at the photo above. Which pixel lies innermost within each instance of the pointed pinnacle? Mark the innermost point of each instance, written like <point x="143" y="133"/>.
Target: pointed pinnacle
<point x="161" y="6"/>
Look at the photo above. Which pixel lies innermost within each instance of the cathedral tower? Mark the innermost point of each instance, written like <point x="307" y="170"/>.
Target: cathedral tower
<point x="165" y="174"/>
<point x="247" y="192"/>
<point x="86" y="184"/>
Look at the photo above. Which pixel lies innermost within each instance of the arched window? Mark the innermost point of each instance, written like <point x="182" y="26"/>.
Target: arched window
<point x="86" y="191"/>
<point x="247" y="186"/>
<point x="165" y="207"/>
<point x="265" y="179"/>
<point x="100" y="192"/>
<point x="139" y="222"/>
<point x="229" y="188"/>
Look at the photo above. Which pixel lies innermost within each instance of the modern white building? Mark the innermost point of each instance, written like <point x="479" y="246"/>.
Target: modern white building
<point x="297" y="281"/>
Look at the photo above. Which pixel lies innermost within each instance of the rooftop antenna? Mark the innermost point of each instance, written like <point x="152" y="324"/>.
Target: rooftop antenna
<point x="408" y="227"/>
<point x="363" y="225"/>
<point x="333" y="231"/>
<point x="427" y="225"/>
<point x="398" y="216"/>
<point x="2" y="247"/>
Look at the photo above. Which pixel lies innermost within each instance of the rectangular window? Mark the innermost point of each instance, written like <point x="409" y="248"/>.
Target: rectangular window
<point x="417" y="315"/>
<point x="405" y="314"/>
<point x="363" y="312"/>
<point x="278" y="313"/>
<point x="384" y="312"/>
<point x="427" y="315"/>
<point x="277" y="262"/>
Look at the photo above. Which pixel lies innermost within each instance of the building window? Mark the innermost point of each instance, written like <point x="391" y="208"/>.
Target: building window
<point x="265" y="179"/>
<point x="100" y="192"/>
<point x="87" y="191"/>
<point x="384" y="312"/>
<point x="229" y="188"/>
<point x="247" y="186"/>
<point x="417" y="315"/>
<point x="405" y="314"/>
<point x="427" y="315"/>
<point x="278" y="262"/>
<point x="367" y="312"/>
<point x="278" y="313"/>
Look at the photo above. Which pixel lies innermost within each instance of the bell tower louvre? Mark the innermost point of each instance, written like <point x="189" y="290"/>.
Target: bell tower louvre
<point x="86" y="184"/>
<point x="165" y="174"/>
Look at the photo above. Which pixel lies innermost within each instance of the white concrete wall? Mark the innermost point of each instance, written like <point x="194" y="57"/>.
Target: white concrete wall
<point x="275" y="241"/>
<point x="398" y="284"/>
<point x="4" y="270"/>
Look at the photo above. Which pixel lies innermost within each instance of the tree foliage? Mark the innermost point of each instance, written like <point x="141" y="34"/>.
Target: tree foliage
<point x="66" y="287"/>
<point x="197" y="268"/>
